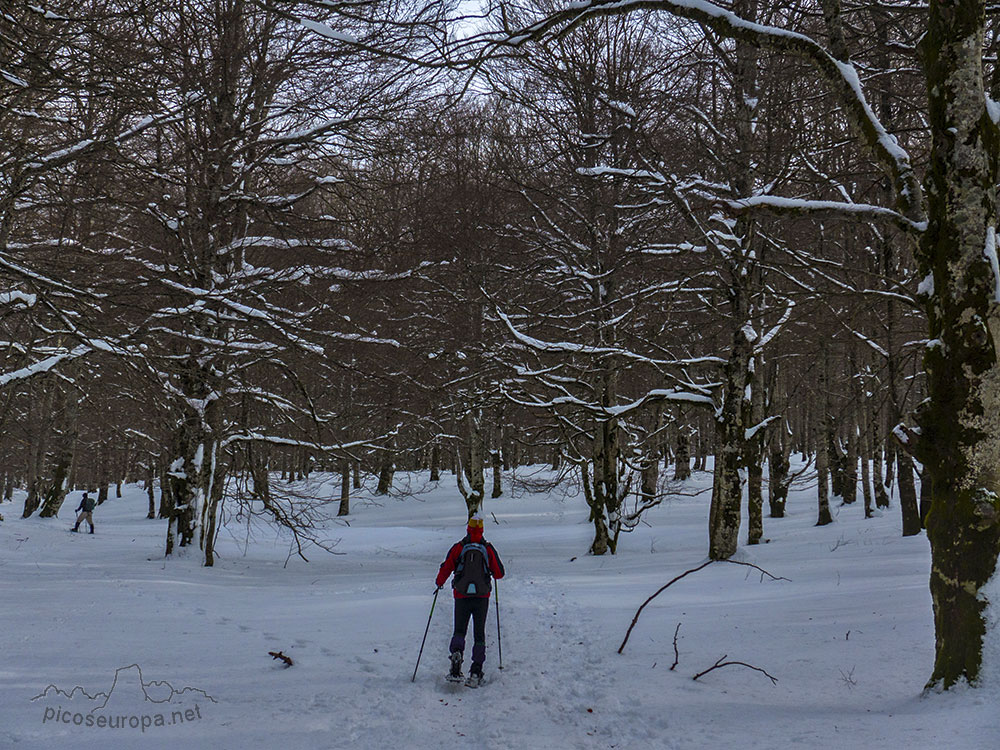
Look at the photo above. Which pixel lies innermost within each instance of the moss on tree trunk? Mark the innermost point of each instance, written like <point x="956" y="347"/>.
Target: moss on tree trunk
<point x="959" y="443"/>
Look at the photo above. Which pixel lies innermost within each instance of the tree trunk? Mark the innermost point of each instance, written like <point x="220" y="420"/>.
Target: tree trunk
<point x="878" y="476"/>
<point x="734" y="415"/>
<point x="386" y="469"/>
<point x="345" y="488"/>
<point x="471" y="474"/>
<point x="851" y="464"/>
<point x="216" y="472"/>
<point x="602" y="539"/>
<point x="959" y="442"/>
<point x="890" y="469"/>
<point x="823" y="485"/>
<point x="908" y="495"/>
<point x="36" y="450"/>
<point x="435" y="462"/>
<point x="150" y="491"/>
<point x="864" y="448"/>
<point x="822" y="457"/>
<point x="727" y="489"/>
<point x="926" y="497"/>
<point x="58" y="486"/>
<point x="778" y="467"/>
<point x="730" y="434"/>
<point x="650" y="477"/>
<point x="497" y="474"/>
<point x="495" y="458"/>
<point x="682" y="465"/>
<point x="753" y="448"/>
<point x="836" y="458"/>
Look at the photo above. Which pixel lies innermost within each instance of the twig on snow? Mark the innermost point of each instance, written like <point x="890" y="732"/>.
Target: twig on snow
<point x="757" y="567"/>
<point x="677" y="656"/>
<point x="720" y="663"/>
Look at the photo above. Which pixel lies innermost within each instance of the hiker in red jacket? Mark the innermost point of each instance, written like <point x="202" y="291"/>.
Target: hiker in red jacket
<point x="475" y="563"/>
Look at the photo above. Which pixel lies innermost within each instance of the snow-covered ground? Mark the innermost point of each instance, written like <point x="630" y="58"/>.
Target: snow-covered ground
<point x="849" y="637"/>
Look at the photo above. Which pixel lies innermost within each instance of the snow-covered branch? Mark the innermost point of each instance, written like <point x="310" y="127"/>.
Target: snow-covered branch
<point x="842" y="76"/>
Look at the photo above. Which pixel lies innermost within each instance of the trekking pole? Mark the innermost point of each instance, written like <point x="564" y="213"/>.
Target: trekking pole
<point x="499" y="643"/>
<point x="433" y="603"/>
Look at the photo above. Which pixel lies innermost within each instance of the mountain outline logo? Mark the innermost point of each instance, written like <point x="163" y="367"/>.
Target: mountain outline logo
<point x="127" y="675"/>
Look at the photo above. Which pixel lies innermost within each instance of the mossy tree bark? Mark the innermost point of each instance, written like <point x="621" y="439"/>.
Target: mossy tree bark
<point x="742" y="279"/>
<point x="778" y="445"/>
<point x="959" y="443"/>
<point x="730" y="435"/>
<point x="609" y="486"/>
<point x="196" y="469"/>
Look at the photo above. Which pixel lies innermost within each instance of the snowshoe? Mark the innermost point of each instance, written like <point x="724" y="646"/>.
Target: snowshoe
<point x="455" y="674"/>
<point x="475" y="676"/>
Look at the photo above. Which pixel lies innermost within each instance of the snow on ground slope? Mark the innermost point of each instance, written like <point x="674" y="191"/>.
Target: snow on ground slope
<point x="180" y="652"/>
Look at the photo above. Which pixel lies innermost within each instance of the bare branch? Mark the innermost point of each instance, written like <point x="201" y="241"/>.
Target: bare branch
<point x="677" y="656"/>
<point x="683" y="575"/>
<point x="720" y="663"/>
<point x="842" y="76"/>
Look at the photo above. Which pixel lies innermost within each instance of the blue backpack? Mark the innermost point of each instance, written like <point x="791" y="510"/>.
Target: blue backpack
<point x="472" y="574"/>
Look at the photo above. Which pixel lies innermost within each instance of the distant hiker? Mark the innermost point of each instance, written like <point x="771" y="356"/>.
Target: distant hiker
<point x="475" y="563"/>
<point x="86" y="505"/>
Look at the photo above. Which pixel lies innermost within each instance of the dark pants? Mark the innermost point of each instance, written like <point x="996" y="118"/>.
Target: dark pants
<point x="476" y="607"/>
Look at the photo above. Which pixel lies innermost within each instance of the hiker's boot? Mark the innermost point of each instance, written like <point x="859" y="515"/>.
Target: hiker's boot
<point x="456" y="665"/>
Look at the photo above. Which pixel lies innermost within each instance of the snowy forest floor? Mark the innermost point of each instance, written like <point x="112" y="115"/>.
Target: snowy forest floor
<point x="849" y="638"/>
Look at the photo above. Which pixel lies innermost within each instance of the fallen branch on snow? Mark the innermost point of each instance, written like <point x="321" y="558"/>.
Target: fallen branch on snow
<point x="720" y="663"/>
<point x="663" y="588"/>
<point x="677" y="655"/>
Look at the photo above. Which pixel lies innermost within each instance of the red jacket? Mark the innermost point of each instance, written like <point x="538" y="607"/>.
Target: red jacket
<point x="451" y="561"/>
